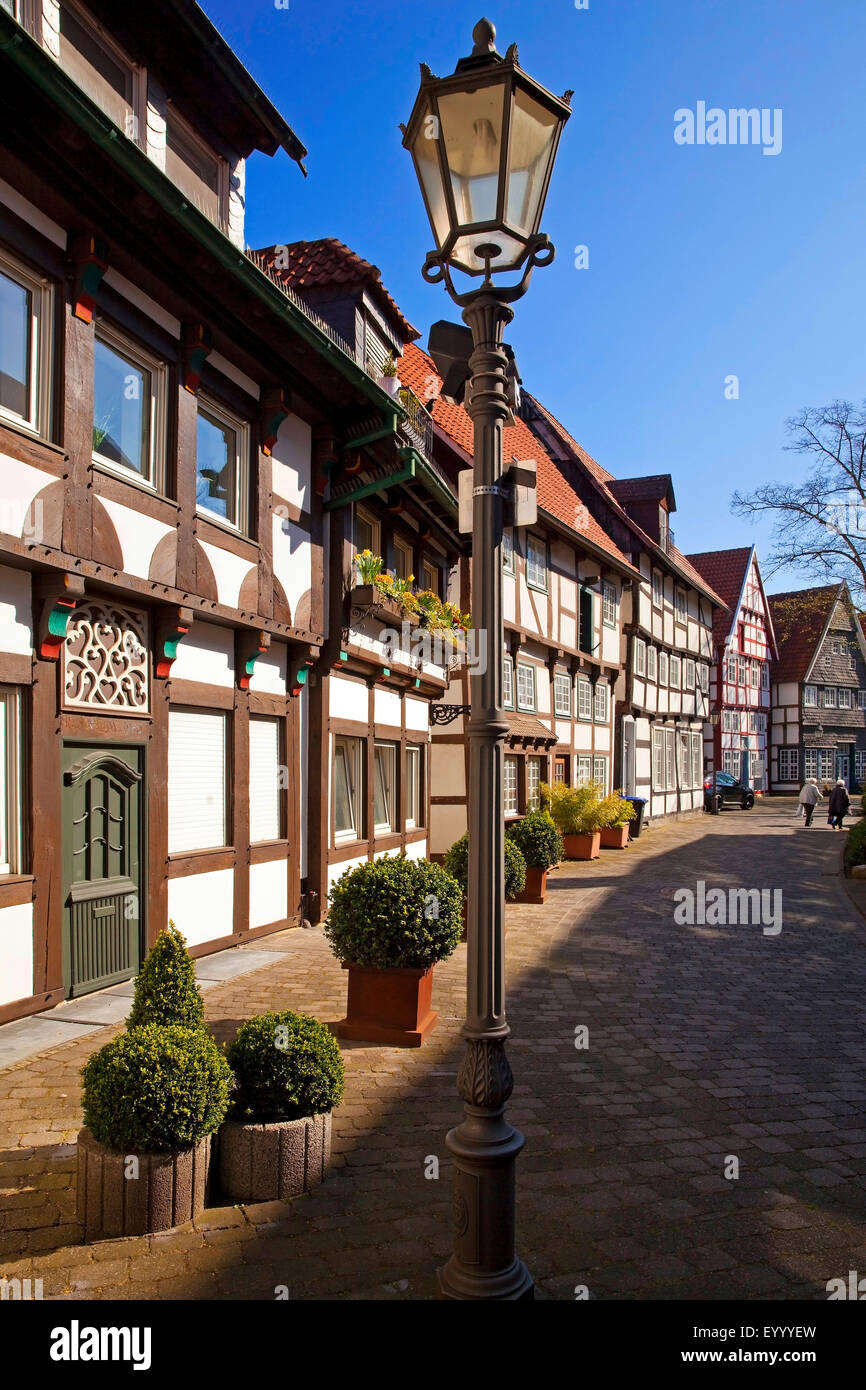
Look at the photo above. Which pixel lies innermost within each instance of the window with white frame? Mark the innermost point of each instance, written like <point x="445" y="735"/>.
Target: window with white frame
<point x="688" y="674"/>
<point x="197" y="169"/>
<point x="536" y="563"/>
<point x="685" y="759"/>
<point x="534" y="778"/>
<point x="810" y="696"/>
<point x="658" y="760"/>
<point x="755" y="673"/>
<point x="349" y="783"/>
<point x="385" y="788"/>
<point x="663" y="668"/>
<point x="508" y="682"/>
<point x="639" y="656"/>
<point x="697" y="759"/>
<point x="732" y="670"/>
<point x="731" y="762"/>
<point x="704" y="677"/>
<point x="860" y="764"/>
<point x="829" y="694"/>
<point x="819" y="763"/>
<point x="861" y="699"/>
<point x="652" y="663"/>
<point x="682" y="604"/>
<point x="844" y="698"/>
<point x="25" y="346"/>
<point x="266" y="782"/>
<point x="789" y="764"/>
<point x="100" y="68"/>
<point x="670" y="767"/>
<point x="10" y="780"/>
<point x="197" y="780"/>
<point x="525" y="686"/>
<point x="562" y="693"/>
<point x="599" y="773"/>
<point x="765" y="675"/>
<point x="129" y="404"/>
<point x="658" y="589"/>
<point x="584" y="698"/>
<point x="508" y="550"/>
<point x="222" y="456"/>
<point x="601" y="703"/>
<point x="414" y="812"/>
<point x="509" y="771"/>
<point x="583" y="771"/>
<point x="727" y="718"/>
<point x="609" y="603"/>
<point x="675" y="673"/>
<point x="741" y="670"/>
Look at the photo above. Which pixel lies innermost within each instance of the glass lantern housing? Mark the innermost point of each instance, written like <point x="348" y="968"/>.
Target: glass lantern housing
<point x="484" y="142"/>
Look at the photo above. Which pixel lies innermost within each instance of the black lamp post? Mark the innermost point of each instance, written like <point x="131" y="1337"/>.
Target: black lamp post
<point x="483" y="142"/>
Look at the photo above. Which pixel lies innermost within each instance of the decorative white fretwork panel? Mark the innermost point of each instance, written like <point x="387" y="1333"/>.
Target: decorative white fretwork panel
<point x="105" y="664"/>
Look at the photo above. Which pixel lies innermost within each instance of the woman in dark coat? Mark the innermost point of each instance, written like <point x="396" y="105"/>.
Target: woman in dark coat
<point x="839" y="803"/>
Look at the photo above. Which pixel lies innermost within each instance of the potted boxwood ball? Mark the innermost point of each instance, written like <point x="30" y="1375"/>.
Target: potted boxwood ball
<point x="389" y="922"/>
<point x="152" y="1099"/>
<point x="540" y="843"/>
<point x="276" y="1142"/>
<point x="456" y="863"/>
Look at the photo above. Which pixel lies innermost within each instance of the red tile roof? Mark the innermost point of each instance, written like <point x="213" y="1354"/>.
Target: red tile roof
<point x="556" y="495"/>
<point x="800" y="617"/>
<point x="725" y="571"/>
<point x="600" y="474"/>
<point x="330" y="262"/>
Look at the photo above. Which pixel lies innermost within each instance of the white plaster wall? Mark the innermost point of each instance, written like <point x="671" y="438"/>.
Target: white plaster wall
<point x="269" y="893"/>
<point x="19" y="484"/>
<point x="417" y="714"/>
<point x="509" y="598"/>
<point x="206" y="654"/>
<point x="293" y="559"/>
<point x="16" y="611"/>
<point x="229" y="570"/>
<point x="563" y="731"/>
<point x="787" y="693"/>
<point x="609" y="644"/>
<point x="202" y="905"/>
<point x="139" y="535"/>
<point x="336" y="871"/>
<point x="447" y="769"/>
<point x="447" y="824"/>
<point x="269" y="672"/>
<point x="348" y="699"/>
<point x="291" y="463"/>
<point x="16" y="952"/>
<point x="568" y="630"/>
<point x="386" y="708"/>
<point x="602" y="738"/>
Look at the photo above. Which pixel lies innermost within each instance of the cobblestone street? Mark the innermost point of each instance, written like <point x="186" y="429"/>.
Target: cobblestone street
<point x="704" y="1042"/>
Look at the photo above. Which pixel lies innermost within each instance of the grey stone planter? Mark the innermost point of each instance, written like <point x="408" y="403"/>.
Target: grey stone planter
<point x="169" y="1189"/>
<point x="269" y="1162"/>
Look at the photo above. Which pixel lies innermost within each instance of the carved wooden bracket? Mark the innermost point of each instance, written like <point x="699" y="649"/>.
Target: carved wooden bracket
<point x="89" y="257"/>
<point x="274" y="409"/>
<point x="171" y="629"/>
<point x="250" y="646"/>
<point x="299" y="669"/>
<point x="325" y="459"/>
<point x="197" y="346"/>
<point x="59" y="593"/>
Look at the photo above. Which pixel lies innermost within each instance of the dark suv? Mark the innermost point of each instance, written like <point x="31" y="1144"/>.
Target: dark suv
<point x="728" y="790"/>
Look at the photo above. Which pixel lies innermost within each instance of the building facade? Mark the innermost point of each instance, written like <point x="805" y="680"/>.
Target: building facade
<point x="818" y="690"/>
<point x="738" y="742"/>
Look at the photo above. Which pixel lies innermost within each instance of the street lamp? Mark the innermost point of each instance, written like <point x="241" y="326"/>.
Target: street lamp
<point x="483" y="142"/>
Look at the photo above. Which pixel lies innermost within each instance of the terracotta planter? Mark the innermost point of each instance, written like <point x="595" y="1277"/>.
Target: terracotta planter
<point x="169" y="1189"/>
<point x="275" y="1161"/>
<point x="536" y="886"/>
<point x="614" y="836"/>
<point x="388" y="1006"/>
<point x="582" y="846"/>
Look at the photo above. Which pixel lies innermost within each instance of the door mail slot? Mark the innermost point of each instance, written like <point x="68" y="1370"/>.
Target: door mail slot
<point x="103" y="911"/>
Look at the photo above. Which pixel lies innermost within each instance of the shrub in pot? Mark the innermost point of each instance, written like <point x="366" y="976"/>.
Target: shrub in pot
<point x="577" y="815"/>
<point x="615" y="813"/>
<point x="276" y="1142"/>
<point x="166" y="991"/>
<point x="540" y="843"/>
<point x="152" y="1098"/>
<point x="456" y="863"/>
<point x="389" y="922"/>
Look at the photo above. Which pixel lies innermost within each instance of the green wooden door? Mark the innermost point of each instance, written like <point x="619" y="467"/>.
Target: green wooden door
<point x="101" y="865"/>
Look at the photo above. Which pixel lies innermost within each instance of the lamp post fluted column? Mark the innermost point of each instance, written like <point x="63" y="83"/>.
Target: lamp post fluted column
<point x="485" y="1146"/>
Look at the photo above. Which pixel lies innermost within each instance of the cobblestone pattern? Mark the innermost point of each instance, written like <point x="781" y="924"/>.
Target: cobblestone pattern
<point x="704" y="1043"/>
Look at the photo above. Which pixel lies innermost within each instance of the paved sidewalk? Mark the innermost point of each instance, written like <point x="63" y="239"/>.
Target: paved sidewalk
<point x="706" y="1043"/>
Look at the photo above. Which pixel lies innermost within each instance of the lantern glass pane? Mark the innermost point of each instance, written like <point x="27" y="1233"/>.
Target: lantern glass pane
<point x="426" y="154"/>
<point x="472" y="131"/>
<point x="511" y="249"/>
<point x="533" y="130"/>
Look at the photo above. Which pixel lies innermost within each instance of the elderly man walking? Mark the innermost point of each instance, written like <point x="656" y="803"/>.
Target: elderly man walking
<point x="809" y="798"/>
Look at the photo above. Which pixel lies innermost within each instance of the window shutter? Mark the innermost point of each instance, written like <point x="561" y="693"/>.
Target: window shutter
<point x="196" y="780"/>
<point x="264" y="779"/>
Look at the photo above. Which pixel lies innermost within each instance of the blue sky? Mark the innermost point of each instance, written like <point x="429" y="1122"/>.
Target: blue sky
<point x="704" y="261"/>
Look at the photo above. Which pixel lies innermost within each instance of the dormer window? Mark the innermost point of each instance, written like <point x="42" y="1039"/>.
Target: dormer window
<point x="100" y="68"/>
<point x="194" y="167"/>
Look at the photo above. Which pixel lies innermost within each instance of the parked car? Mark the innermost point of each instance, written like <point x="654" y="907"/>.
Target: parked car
<point x="728" y="790"/>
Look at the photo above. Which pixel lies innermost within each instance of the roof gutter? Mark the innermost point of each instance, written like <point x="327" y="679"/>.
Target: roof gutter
<point x="50" y="78"/>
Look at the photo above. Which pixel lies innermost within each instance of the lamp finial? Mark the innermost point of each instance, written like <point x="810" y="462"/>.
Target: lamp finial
<point x="484" y="35"/>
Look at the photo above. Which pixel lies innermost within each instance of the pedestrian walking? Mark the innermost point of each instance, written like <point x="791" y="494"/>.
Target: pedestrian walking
<point x="840" y="802"/>
<point x="809" y="798"/>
